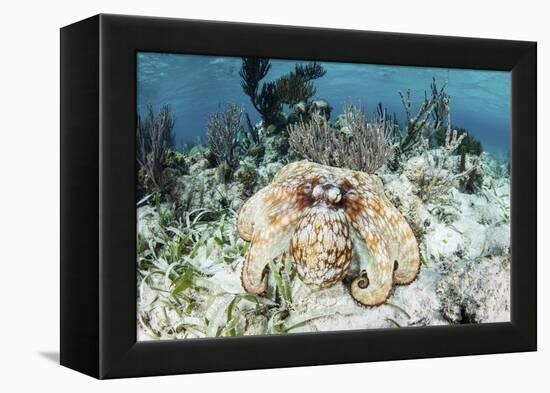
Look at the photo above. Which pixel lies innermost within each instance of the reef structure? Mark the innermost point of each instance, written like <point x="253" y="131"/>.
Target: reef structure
<point x="327" y="218"/>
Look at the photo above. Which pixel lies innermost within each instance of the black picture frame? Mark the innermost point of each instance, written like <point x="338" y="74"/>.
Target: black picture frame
<point x="98" y="212"/>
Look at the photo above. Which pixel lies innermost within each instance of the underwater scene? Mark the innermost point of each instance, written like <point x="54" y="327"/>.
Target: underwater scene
<point x="290" y="196"/>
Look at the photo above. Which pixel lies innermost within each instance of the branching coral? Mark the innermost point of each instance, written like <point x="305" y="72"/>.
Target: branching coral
<point x="269" y="105"/>
<point x="290" y="89"/>
<point x="154" y="136"/>
<point x="222" y="130"/>
<point x="293" y="88"/>
<point x="264" y="99"/>
<point x="431" y="127"/>
<point x="435" y="178"/>
<point x="433" y="116"/>
<point x="469" y="145"/>
<point x="297" y="86"/>
<point x="310" y="71"/>
<point x="361" y="145"/>
<point x="253" y="70"/>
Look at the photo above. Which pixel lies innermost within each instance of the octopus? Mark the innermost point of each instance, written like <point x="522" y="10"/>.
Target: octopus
<point x="326" y="219"/>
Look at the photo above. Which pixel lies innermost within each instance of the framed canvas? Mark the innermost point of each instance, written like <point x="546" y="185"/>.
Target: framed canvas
<point x="240" y="196"/>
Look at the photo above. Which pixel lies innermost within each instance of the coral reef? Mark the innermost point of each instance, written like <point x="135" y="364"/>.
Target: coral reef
<point x="432" y="118"/>
<point x="359" y="144"/>
<point x="318" y="214"/>
<point x="307" y="234"/>
<point x="190" y="265"/>
<point x="433" y="174"/>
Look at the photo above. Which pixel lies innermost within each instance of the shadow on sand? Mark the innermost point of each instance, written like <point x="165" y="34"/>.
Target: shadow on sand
<point x="52" y="356"/>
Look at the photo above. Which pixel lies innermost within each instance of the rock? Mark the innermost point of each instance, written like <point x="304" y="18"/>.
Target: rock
<point x="271" y="129"/>
<point x="476" y="291"/>
<point x="276" y="146"/>
<point x="320" y="104"/>
<point x="175" y="159"/>
<point x="473" y="237"/>
<point x="256" y="151"/>
<point x="400" y="192"/>
<point x="199" y="166"/>
<point x="203" y="189"/>
<point x="299" y="107"/>
<point x="414" y="169"/>
<point x="498" y="240"/>
<point x="247" y="176"/>
<point x="230" y="195"/>
<point x="340" y="122"/>
<point x="419" y="299"/>
<point x="441" y="243"/>
<point x="322" y="107"/>
<point x="223" y="173"/>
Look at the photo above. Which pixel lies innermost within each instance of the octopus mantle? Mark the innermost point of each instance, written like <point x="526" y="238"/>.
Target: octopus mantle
<point x="325" y="218"/>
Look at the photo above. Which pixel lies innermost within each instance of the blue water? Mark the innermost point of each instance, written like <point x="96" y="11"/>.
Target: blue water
<point x="196" y="86"/>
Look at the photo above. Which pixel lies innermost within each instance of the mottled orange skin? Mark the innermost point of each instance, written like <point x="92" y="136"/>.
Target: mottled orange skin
<point x="325" y="218"/>
<point x="321" y="247"/>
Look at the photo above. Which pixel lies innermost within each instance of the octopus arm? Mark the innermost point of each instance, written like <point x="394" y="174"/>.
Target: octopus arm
<point x="402" y="246"/>
<point x="404" y="250"/>
<point x="384" y="245"/>
<point x="249" y="214"/>
<point x="375" y="281"/>
<point x="266" y="246"/>
<point x="401" y="242"/>
<point x="268" y="219"/>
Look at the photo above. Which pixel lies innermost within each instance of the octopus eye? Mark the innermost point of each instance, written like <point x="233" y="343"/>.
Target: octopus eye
<point x="395" y="265"/>
<point x="334" y="195"/>
<point x="317" y="192"/>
